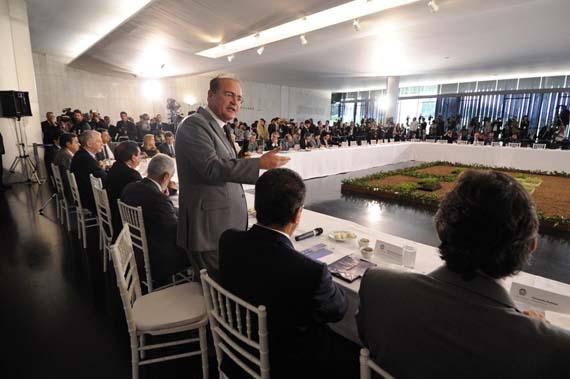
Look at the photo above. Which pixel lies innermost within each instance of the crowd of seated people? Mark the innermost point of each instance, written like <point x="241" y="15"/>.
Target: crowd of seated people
<point x="462" y="301"/>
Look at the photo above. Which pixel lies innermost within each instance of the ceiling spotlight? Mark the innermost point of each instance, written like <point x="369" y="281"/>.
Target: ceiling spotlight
<point x="303" y="39"/>
<point x="433" y="7"/>
<point x="356" y="24"/>
<point x="230" y="58"/>
<point x="260" y="50"/>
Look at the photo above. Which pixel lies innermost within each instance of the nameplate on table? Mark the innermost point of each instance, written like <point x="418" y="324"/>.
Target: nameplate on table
<point x="540" y="299"/>
<point x="389" y="253"/>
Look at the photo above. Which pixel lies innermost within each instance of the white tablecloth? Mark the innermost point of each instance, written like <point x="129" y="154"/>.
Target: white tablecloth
<point x="427" y="260"/>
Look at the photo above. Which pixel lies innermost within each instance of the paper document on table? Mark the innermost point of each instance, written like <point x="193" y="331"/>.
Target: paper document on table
<point x="389" y="253"/>
<point x="540" y="299"/>
<point x="558" y="319"/>
<point x="317" y="252"/>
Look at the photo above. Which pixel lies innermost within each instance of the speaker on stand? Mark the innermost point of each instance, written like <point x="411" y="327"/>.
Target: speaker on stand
<point x="15" y="105"/>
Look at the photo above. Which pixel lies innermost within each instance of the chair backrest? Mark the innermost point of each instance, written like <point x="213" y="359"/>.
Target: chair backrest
<point x="367" y="365"/>
<point x="513" y="144"/>
<point x="415" y="140"/>
<point x="95" y="182"/>
<point x="58" y="180"/>
<point x="103" y="210"/>
<point x="123" y="257"/>
<point x="462" y="142"/>
<point x="133" y="216"/>
<point x="539" y="146"/>
<point x="496" y="144"/>
<point x="441" y="141"/>
<point x="74" y="188"/>
<point x="231" y="321"/>
<point x="480" y="143"/>
<point x="432" y="140"/>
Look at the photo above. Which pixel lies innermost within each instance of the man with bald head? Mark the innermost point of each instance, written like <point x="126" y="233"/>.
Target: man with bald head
<point x="210" y="175"/>
<point x="84" y="163"/>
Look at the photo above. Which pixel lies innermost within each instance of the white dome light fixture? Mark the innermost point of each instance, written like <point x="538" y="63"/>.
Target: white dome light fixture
<point x="230" y="58"/>
<point x="260" y="50"/>
<point x="303" y="39"/>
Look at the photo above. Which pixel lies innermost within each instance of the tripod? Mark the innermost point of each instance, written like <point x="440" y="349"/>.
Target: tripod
<point x="28" y="166"/>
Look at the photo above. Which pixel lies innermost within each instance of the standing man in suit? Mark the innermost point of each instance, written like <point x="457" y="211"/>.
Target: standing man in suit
<point x="262" y="267"/>
<point x="85" y="162"/>
<point x="459" y="321"/>
<point x="51" y="151"/>
<point x="79" y="123"/>
<point x="126" y="128"/>
<point x="167" y="147"/>
<point x="3" y="187"/>
<point x="123" y="172"/>
<point x="211" y="195"/>
<point x="49" y="128"/>
<point x="160" y="219"/>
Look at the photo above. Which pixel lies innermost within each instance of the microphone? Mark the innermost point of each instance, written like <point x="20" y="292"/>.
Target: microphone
<point x="309" y="234"/>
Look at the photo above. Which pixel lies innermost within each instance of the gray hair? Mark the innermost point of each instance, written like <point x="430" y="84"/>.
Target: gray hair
<point x="88" y="136"/>
<point x="160" y="164"/>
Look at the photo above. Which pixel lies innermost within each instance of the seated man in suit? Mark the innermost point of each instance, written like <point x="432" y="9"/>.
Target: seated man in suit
<point x="160" y="220"/>
<point x="84" y="163"/>
<point x="287" y="143"/>
<point x="459" y="321"/>
<point x="252" y="145"/>
<point x="167" y="147"/>
<point x="106" y="153"/>
<point x="69" y="145"/>
<point x="262" y="267"/>
<point x="51" y="151"/>
<point x="122" y="173"/>
<point x="273" y="143"/>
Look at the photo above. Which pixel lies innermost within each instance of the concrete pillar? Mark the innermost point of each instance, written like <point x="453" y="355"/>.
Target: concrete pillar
<point x="392" y="94"/>
<point x="17" y="73"/>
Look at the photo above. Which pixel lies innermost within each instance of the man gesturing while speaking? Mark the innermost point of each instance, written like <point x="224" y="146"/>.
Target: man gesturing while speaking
<point x="211" y="177"/>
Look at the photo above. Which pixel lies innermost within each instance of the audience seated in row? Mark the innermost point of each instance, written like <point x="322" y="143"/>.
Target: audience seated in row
<point x="262" y="267"/>
<point x="160" y="219"/>
<point x="459" y="321"/>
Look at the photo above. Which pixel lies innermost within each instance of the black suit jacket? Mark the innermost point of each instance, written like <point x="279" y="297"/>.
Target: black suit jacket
<point x="161" y="222"/>
<point x="163" y="147"/>
<point x="82" y="165"/>
<point x="117" y="179"/>
<point x="49" y="156"/>
<point x="2" y="151"/>
<point x="262" y="267"/>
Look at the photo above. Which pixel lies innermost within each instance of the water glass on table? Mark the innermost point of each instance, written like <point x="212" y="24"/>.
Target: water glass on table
<point x="409" y="255"/>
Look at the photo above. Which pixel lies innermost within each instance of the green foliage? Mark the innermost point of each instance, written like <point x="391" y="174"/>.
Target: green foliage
<point x="458" y="170"/>
<point x="429" y="184"/>
<point x="406" y="187"/>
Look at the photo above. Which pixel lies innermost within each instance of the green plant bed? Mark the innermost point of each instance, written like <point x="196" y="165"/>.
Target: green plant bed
<point x="424" y="192"/>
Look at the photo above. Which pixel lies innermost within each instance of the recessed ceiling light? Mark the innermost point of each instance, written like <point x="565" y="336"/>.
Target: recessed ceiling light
<point x="230" y="58"/>
<point x="345" y="12"/>
<point x="303" y="39"/>
<point x="260" y="50"/>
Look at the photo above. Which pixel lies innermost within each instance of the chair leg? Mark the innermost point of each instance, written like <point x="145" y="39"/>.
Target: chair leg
<point x="84" y="232"/>
<point x="105" y="259"/>
<point x="57" y="210"/>
<point x="78" y="217"/>
<point x="141" y="344"/>
<point x="134" y="357"/>
<point x="204" y="351"/>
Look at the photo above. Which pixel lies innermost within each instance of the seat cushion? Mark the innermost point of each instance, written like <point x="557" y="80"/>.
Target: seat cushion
<point x="170" y="308"/>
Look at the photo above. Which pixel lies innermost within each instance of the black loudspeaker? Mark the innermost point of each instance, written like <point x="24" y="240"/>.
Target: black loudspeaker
<point x="14" y="104"/>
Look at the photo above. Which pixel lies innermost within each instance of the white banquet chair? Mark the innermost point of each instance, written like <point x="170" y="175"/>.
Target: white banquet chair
<point x="65" y="209"/>
<point x="462" y="142"/>
<point x="539" y="146"/>
<point x="85" y="219"/>
<point x="231" y="320"/>
<point x="173" y="310"/>
<point x="496" y="144"/>
<point x="367" y="366"/>
<point x="105" y="221"/>
<point x="513" y="144"/>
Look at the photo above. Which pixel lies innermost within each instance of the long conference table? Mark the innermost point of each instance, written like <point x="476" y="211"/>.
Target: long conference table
<point x="319" y="163"/>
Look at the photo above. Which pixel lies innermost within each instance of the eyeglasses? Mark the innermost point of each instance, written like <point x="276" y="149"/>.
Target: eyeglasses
<point x="237" y="98"/>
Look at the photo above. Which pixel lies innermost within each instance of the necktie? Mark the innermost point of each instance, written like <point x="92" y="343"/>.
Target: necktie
<point x="228" y="136"/>
<point x="105" y="152"/>
<point x="171" y="150"/>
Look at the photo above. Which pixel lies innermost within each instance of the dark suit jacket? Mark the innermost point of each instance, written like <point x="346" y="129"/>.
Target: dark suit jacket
<point x="82" y="164"/>
<point x="440" y="326"/>
<point x="117" y="179"/>
<point x="160" y="221"/>
<point x="2" y="151"/>
<point x="269" y="145"/>
<point x="49" y="157"/>
<point x="127" y="128"/>
<point x="163" y="147"/>
<point x="262" y="267"/>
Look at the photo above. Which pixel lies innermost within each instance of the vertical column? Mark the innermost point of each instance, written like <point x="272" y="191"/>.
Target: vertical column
<point x="17" y="73"/>
<point x="392" y="94"/>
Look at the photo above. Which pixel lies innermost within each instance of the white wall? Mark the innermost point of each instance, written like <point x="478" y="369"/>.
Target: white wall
<point x="61" y="86"/>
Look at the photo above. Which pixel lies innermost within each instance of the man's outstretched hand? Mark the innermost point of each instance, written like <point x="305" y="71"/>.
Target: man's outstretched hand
<point x="271" y="160"/>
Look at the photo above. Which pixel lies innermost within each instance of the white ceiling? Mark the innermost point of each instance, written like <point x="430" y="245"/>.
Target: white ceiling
<point x="465" y="39"/>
